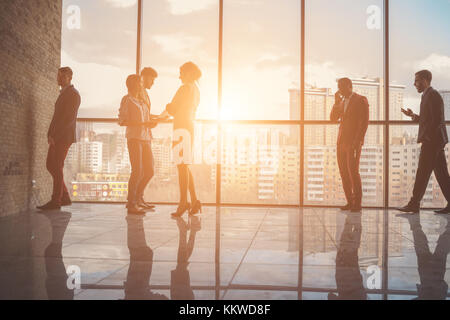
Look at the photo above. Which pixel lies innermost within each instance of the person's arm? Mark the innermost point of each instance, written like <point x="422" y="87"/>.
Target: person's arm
<point x="436" y="110"/>
<point x="125" y="119"/>
<point x="123" y="112"/>
<point x="177" y="102"/>
<point x="336" y="112"/>
<point x="414" y="117"/>
<point x="66" y="117"/>
<point x="51" y="128"/>
<point x="363" y="123"/>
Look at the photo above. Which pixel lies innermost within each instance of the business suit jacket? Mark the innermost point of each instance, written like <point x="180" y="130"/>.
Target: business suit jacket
<point x="63" y="126"/>
<point x="431" y="119"/>
<point x="354" y="122"/>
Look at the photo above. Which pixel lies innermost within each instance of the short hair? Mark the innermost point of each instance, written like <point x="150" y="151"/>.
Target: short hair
<point x="192" y="70"/>
<point x="66" y="70"/>
<point x="345" y="82"/>
<point x="149" y="72"/>
<point x="133" y="80"/>
<point x="425" y="75"/>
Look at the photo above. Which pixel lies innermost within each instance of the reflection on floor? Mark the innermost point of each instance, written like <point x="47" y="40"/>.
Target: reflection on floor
<point x="96" y="251"/>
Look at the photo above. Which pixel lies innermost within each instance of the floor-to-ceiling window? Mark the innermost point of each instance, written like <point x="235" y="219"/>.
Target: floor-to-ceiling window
<point x="250" y="145"/>
<point x="343" y="39"/>
<point x="419" y="40"/>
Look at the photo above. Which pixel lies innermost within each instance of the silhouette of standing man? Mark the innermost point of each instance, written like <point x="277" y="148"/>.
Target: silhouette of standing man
<point x="433" y="136"/>
<point x="352" y="110"/>
<point x="61" y="135"/>
<point x="148" y="76"/>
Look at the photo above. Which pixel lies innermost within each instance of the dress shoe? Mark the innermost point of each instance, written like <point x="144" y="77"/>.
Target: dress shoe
<point x="134" y="209"/>
<point x="182" y="208"/>
<point x="346" y="207"/>
<point x="145" y="205"/>
<point x="410" y="208"/>
<point x="196" y="207"/>
<point x="446" y="210"/>
<point x="50" y="206"/>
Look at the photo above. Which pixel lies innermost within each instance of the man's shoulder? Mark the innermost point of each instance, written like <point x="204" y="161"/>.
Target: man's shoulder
<point x="124" y="101"/>
<point x="73" y="91"/>
<point x="435" y="92"/>
<point x="360" y="98"/>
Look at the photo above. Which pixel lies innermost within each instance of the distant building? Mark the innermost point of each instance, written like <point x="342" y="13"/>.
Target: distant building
<point x="322" y="179"/>
<point x="446" y="97"/>
<point x="91" y="156"/>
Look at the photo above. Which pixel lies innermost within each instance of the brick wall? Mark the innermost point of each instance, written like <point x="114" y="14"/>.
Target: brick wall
<point x="30" y="33"/>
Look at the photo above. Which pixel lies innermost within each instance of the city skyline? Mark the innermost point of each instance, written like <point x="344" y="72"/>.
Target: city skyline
<point x="268" y="60"/>
<point x="260" y="164"/>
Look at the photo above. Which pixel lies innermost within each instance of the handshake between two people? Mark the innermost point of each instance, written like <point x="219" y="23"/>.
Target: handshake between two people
<point x="154" y="119"/>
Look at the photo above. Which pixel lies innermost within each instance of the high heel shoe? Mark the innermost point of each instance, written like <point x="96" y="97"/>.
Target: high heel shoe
<point x="196" y="207"/>
<point x="181" y="210"/>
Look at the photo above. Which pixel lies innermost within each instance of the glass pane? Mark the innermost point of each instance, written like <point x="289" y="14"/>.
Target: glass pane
<point x="99" y="44"/>
<point x="260" y="164"/>
<point x="419" y="40"/>
<point x="352" y="47"/>
<point x="97" y="167"/>
<point x="323" y="184"/>
<point x="415" y="259"/>
<point x="164" y="186"/>
<point x="403" y="163"/>
<point x="341" y="251"/>
<point x="261" y="58"/>
<point x="175" y="32"/>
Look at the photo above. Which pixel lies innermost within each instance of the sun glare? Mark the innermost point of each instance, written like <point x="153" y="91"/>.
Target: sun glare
<point x="231" y="108"/>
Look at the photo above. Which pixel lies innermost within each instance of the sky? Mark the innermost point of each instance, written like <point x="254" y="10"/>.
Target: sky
<point x="261" y="49"/>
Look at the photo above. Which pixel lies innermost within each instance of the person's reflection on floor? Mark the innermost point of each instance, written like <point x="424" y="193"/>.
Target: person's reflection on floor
<point x="137" y="285"/>
<point x="432" y="266"/>
<point x="180" y="281"/>
<point x="349" y="281"/>
<point x="56" y="280"/>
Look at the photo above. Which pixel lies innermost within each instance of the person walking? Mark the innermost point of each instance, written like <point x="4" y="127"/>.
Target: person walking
<point x="433" y="136"/>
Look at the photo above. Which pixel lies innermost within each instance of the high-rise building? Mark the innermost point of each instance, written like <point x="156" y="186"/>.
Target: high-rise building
<point x="91" y="156"/>
<point x="162" y="152"/>
<point x="446" y="97"/>
<point x="404" y="160"/>
<point x="109" y="147"/>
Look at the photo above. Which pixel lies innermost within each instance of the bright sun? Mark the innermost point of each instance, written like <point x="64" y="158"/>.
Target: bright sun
<point x="231" y="108"/>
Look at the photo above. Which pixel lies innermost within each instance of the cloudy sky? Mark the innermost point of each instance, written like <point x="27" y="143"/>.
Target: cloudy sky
<point x="261" y="49"/>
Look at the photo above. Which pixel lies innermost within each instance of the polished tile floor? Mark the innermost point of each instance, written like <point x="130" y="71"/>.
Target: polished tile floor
<point x="224" y="253"/>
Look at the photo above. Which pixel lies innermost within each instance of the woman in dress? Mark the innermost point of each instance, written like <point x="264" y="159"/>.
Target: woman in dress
<point x="183" y="107"/>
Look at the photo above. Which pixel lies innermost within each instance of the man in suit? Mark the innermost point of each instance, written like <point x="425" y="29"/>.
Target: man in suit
<point x="61" y="134"/>
<point x="433" y="136"/>
<point x="352" y="110"/>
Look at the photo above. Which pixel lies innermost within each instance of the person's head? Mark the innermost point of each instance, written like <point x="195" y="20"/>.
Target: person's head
<point x="189" y="72"/>
<point x="148" y="76"/>
<point x="64" y="76"/>
<point x="134" y="84"/>
<point x="422" y="80"/>
<point x="345" y="86"/>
